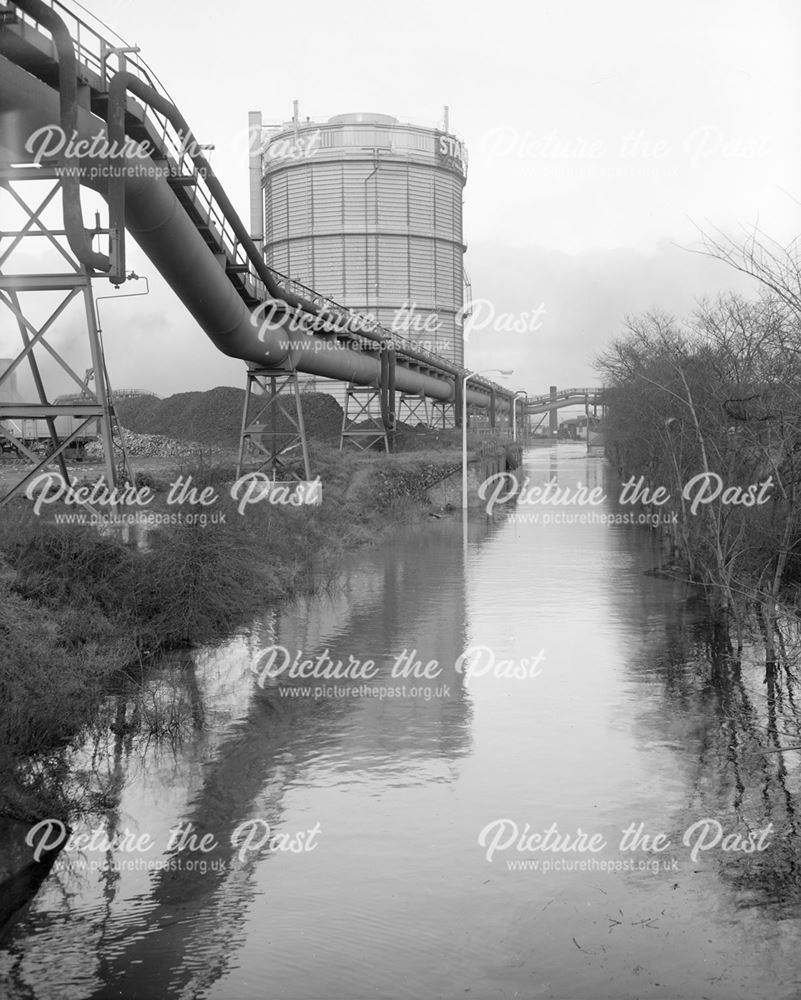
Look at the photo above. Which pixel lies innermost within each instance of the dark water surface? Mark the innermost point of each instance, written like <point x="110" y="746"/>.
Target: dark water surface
<point x="397" y="899"/>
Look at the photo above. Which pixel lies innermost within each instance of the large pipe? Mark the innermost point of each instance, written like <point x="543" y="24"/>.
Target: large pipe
<point x="123" y="83"/>
<point x="164" y="231"/>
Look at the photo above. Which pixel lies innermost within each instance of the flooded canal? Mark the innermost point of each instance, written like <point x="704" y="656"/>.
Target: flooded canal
<point x="376" y="838"/>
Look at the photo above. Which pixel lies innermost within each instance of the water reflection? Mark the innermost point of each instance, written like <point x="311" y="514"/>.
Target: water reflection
<point x="180" y="927"/>
<point x="735" y="731"/>
<point x="635" y="716"/>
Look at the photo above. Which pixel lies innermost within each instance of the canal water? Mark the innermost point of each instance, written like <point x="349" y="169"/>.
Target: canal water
<point x="361" y="842"/>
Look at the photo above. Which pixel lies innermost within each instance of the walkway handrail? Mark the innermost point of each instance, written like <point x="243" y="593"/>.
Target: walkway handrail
<point x="93" y="52"/>
<point x="546" y="397"/>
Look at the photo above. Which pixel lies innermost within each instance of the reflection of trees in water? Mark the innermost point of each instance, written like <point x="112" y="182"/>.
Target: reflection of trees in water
<point x="184" y="932"/>
<point x="744" y="751"/>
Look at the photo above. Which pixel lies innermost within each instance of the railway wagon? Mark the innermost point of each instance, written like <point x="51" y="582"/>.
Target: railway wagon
<point x="35" y="433"/>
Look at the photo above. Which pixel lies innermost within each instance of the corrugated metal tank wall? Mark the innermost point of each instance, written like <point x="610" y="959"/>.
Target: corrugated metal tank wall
<point x="368" y="211"/>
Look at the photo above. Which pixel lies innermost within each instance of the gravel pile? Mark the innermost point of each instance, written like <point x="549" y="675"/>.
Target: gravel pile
<point x="153" y="446"/>
<point x="214" y="418"/>
<point x="395" y="483"/>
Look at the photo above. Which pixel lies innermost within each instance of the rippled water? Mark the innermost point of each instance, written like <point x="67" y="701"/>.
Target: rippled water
<point x="397" y="899"/>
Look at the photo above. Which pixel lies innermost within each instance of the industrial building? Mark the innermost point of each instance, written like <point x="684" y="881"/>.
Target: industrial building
<point x="367" y="210"/>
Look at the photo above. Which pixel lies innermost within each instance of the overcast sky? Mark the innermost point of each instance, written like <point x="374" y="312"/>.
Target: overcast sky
<point x="600" y="136"/>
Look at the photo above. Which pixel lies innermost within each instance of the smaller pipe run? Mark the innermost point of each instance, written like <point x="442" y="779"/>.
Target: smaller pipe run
<point x="79" y="242"/>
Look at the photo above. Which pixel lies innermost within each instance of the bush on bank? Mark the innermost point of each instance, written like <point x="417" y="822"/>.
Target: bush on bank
<point x="716" y="396"/>
<point x="78" y="607"/>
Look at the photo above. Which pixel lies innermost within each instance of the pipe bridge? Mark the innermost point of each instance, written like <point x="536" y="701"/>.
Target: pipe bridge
<point x="556" y="399"/>
<point x="80" y="109"/>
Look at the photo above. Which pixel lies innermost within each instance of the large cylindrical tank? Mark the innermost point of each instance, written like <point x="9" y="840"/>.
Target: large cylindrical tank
<point x="368" y="210"/>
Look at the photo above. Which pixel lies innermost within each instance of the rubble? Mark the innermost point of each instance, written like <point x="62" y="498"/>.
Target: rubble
<point x="154" y="446"/>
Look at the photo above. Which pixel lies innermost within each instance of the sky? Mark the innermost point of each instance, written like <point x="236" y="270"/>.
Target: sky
<point x="602" y="137"/>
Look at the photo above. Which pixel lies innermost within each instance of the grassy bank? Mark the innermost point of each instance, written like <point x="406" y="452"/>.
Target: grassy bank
<point x="79" y="609"/>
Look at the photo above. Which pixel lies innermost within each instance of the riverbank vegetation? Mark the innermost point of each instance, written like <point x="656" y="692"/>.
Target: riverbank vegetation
<point x="82" y="610"/>
<point x="708" y="408"/>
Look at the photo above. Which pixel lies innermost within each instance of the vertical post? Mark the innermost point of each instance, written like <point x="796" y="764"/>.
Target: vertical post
<point x="391" y="358"/>
<point x="464" y="445"/>
<point x="587" y="419"/>
<point x="273" y="422"/>
<point x="553" y="422"/>
<point x="304" y="444"/>
<point x="387" y="394"/>
<point x="101" y="388"/>
<point x="345" y="424"/>
<point x="243" y="427"/>
<point x="254" y="172"/>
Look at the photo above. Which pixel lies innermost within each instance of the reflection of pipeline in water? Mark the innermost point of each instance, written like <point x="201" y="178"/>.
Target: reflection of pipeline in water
<point x="201" y="918"/>
<point x="17" y="891"/>
<point x="318" y="615"/>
